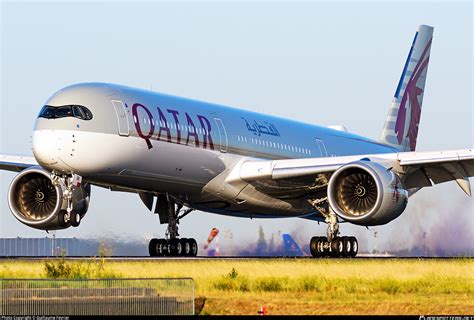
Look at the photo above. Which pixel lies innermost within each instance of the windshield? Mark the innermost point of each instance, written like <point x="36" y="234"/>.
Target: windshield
<point x="79" y="112"/>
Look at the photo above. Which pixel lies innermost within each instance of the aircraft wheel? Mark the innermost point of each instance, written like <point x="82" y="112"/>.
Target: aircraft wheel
<point x="75" y="219"/>
<point x="175" y="248"/>
<point x="347" y="245"/>
<point x="185" y="243"/>
<point x="326" y="248"/>
<point x="161" y="247"/>
<point x="313" y="246"/>
<point x="64" y="219"/>
<point x="354" y="246"/>
<point x="320" y="246"/>
<point x="317" y="246"/>
<point x="152" y="246"/>
<point x="337" y="247"/>
<point x="194" y="247"/>
<point x="179" y="248"/>
<point x="171" y="248"/>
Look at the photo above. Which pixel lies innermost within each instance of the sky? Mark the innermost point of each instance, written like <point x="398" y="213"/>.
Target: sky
<point x="319" y="62"/>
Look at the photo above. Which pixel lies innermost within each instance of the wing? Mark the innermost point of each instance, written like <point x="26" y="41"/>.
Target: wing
<point x="438" y="167"/>
<point x="295" y="177"/>
<point x="16" y="163"/>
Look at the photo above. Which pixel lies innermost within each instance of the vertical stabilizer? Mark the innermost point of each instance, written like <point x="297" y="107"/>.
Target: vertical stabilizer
<point x="401" y="126"/>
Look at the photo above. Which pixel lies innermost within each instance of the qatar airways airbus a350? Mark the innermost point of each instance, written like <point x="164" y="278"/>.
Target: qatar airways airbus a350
<point x="181" y="155"/>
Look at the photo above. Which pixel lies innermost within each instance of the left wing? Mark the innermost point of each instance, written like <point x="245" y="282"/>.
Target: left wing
<point x="16" y="163"/>
<point x="293" y="177"/>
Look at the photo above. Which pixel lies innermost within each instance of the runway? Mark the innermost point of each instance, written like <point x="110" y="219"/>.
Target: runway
<point x="144" y="258"/>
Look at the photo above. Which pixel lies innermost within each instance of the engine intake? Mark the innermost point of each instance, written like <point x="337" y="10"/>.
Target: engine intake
<point x="366" y="193"/>
<point x="36" y="202"/>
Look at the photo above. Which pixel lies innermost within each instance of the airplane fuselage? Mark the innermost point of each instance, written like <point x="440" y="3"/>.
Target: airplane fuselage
<point x="139" y="140"/>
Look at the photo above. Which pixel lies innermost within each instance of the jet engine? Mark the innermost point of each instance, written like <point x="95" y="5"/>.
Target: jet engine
<point x="39" y="203"/>
<point x="366" y="193"/>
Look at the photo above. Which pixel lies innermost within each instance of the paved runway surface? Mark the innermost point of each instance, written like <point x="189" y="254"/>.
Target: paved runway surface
<point x="143" y="258"/>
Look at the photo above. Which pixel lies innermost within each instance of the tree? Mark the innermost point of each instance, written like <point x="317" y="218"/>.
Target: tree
<point x="262" y="243"/>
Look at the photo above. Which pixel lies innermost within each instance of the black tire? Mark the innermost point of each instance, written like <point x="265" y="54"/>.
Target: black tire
<point x="173" y="247"/>
<point x="194" y="247"/>
<point x="186" y="247"/>
<point x="313" y="247"/>
<point x="161" y="247"/>
<point x="63" y="222"/>
<point x="317" y="246"/>
<point x="354" y="246"/>
<point x="179" y="247"/>
<point x="347" y="244"/>
<point x="152" y="247"/>
<point x="75" y="219"/>
<point x="337" y="247"/>
<point x="320" y="246"/>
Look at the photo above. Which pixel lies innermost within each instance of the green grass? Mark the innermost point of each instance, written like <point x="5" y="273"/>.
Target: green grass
<point x="307" y="286"/>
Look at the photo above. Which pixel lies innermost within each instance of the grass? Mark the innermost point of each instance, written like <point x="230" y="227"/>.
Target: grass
<point x="307" y="286"/>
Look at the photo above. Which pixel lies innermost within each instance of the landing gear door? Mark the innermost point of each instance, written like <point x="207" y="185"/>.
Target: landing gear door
<point x="122" y="118"/>
<point x="222" y="134"/>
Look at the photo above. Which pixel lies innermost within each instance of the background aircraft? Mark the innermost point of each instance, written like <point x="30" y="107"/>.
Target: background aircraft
<point x="292" y="249"/>
<point x="178" y="153"/>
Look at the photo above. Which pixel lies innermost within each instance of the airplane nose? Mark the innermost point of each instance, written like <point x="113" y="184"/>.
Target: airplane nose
<point x="44" y="147"/>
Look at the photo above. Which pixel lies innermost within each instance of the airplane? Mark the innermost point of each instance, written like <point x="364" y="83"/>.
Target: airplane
<point x="181" y="155"/>
<point x="292" y="249"/>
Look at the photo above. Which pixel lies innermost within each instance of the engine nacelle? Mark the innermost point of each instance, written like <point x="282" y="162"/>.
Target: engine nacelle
<point x="366" y="193"/>
<point x="35" y="201"/>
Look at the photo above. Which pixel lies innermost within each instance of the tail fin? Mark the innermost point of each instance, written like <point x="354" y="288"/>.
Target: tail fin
<point x="401" y="126"/>
<point x="291" y="247"/>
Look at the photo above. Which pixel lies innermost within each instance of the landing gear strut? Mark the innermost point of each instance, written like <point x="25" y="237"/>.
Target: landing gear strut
<point x="332" y="245"/>
<point x="172" y="246"/>
<point x="68" y="217"/>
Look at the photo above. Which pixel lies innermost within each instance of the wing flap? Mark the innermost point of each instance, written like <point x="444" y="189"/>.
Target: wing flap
<point x="441" y="166"/>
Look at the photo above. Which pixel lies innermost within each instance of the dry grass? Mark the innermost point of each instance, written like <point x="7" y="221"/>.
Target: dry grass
<point x="319" y="286"/>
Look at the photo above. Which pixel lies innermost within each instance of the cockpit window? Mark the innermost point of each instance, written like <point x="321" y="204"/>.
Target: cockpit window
<point x="80" y="112"/>
<point x="62" y="112"/>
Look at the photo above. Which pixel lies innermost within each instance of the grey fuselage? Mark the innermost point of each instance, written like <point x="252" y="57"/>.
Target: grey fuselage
<point x="143" y="141"/>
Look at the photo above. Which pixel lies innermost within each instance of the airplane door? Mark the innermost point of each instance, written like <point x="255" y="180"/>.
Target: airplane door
<point x="222" y="134"/>
<point x="322" y="148"/>
<point x="122" y="118"/>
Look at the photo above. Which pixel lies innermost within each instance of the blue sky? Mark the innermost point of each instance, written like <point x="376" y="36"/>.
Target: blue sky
<point x="319" y="62"/>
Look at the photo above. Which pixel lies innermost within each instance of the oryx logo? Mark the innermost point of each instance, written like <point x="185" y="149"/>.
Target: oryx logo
<point x="408" y="120"/>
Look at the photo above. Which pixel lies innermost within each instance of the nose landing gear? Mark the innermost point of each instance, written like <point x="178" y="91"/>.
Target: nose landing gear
<point x="171" y="245"/>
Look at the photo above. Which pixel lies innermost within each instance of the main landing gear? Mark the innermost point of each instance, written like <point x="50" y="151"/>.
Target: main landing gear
<point x="171" y="245"/>
<point x="332" y="245"/>
<point x="340" y="247"/>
